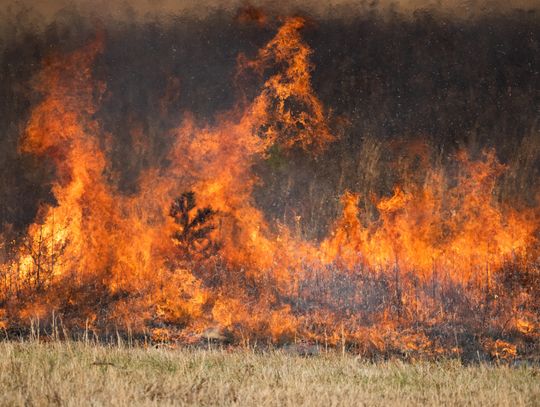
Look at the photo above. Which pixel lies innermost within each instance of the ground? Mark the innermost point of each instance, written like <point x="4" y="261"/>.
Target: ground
<point x="75" y="374"/>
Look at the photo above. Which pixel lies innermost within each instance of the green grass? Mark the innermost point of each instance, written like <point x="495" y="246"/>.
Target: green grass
<point x="75" y="374"/>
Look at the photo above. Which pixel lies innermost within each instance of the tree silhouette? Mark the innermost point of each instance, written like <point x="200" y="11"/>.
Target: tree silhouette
<point x="194" y="226"/>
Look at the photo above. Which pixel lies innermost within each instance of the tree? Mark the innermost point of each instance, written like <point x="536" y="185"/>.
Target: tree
<point x="194" y="227"/>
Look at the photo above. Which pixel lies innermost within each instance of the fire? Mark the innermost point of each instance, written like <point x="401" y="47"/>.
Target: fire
<point x="192" y="251"/>
<point x="460" y="235"/>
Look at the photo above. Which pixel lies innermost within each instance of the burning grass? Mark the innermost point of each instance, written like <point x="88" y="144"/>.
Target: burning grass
<point x="71" y="374"/>
<point x="442" y="263"/>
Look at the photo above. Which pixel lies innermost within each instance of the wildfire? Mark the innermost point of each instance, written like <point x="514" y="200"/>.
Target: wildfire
<point x="192" y="250"/>
<point x="458" y="229"/>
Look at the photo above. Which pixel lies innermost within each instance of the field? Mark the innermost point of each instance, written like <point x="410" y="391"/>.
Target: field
<point x="258" y="204"/>
<point x="74" y="374"/>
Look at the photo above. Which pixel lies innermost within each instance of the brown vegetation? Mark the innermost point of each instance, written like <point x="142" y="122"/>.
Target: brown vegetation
<point x="74" y="374"/>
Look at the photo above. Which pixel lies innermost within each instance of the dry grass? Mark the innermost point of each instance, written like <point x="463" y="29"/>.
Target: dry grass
<point x="74" y="374"/>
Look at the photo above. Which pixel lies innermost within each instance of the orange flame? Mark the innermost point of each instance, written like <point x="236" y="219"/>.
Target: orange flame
<point x="97" y="248"/>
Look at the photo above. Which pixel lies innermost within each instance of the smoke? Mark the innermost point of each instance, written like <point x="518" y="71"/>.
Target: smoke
<point x="451" y="82"/>
<point x="141" y="10"/>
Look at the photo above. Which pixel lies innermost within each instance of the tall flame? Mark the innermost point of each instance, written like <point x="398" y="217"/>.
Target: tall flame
<point x="100" y="256"/>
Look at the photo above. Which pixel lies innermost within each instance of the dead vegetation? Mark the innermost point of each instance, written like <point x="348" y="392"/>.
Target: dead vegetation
<point x="74" y="374"/>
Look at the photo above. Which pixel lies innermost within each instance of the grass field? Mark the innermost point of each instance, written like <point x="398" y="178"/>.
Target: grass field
<point x="75" y="374"/>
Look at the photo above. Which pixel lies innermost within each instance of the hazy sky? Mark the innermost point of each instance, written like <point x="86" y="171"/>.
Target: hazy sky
<point x="117" y="8"/>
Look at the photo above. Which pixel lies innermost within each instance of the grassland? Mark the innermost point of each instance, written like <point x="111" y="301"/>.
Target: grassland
<point x="75" y="374"/>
